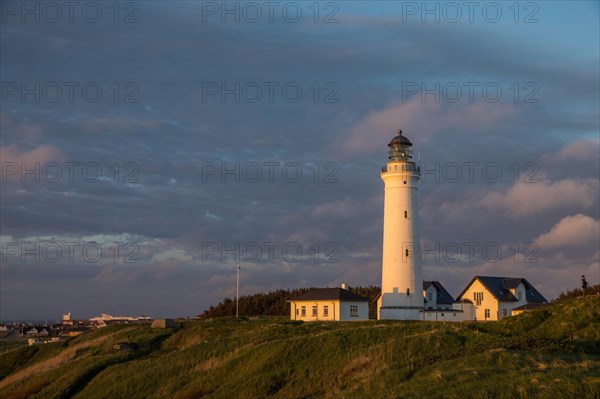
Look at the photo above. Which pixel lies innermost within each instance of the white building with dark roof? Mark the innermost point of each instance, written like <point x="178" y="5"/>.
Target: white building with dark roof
<point x="329" y="304"/>
<point x="441" y="306"/>
<point x="495" y="298"/>
<point x="436" y="297"/>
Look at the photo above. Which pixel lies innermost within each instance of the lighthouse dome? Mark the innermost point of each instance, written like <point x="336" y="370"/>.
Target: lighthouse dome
<point x="400" y="139"/>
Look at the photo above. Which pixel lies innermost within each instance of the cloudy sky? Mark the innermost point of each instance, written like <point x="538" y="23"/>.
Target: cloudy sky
<point x="148" y="146"/>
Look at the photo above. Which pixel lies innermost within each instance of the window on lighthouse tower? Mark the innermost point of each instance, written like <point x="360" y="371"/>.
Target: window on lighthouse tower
<point x="406" y="252"/>
<point x="405" y="215"/>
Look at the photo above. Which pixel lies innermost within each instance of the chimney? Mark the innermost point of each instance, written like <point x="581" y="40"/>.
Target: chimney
<point x="343" y="286"/>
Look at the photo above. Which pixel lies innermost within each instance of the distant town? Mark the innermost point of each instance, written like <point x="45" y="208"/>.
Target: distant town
<point x="18" y="333"/>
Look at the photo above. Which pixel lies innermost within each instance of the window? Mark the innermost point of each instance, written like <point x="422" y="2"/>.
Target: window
<point x="314" y="310"/>
<point x="353" y="311"/>
<point x="504" y="312"/>
<point x="520" y="295"/>
<point x="405" y="215"/>
<point x="478" y="297"/>
<point x="429" y="296"/>
<point x="297" y="312"/>
<point x="326" y="311"/>
<point x="303" y="311"/>
<point x="406" y="252"/>
<point x="408" y="291"/>
<point x="487" y="313"/>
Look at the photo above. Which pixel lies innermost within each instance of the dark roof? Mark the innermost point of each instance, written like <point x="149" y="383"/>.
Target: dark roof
<point x="530" y="306"/>
<point x="512" y="282"/>
<point x="500" y="288"/>
<point x="400" y="139"/>
<point x="443" y="296"/>
<point x="318" y="294"/>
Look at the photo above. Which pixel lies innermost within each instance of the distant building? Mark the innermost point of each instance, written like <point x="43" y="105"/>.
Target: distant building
<point x="32" y="331"/>
<point x="329" y="304"/>
<point x="36" y="332"/>
<point x="75" y="331"/>
<point x="106" y="319"/>
<point x="495" y="298"/>
<point x="163" y="323"/>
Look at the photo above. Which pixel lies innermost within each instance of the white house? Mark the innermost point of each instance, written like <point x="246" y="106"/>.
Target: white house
<point x="329" y="304"/>
<point x="436" y="297"/>
<point x="495" y="298"/>
<point x="33" y="332"/>
<point x="441" y="306"/>
<point x="37" y="332"/>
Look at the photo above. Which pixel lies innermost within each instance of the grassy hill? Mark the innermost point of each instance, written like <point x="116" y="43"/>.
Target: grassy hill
<point x="553" y="352"/>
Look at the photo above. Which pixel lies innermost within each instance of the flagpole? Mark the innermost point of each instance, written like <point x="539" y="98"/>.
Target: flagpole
<point x="237" y="292"/>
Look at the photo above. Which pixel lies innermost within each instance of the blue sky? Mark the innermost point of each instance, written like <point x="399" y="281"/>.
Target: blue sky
<point x="185" y="143"/>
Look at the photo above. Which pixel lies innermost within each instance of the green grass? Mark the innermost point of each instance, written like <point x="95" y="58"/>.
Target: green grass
<point x="8" y="344"/>
<point x="553" y="352"/>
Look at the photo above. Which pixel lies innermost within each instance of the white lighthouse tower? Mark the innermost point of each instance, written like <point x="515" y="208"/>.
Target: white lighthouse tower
<point x="401" y="282"/>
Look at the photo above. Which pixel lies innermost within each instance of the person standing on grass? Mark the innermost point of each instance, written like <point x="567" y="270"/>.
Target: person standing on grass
<point x="584" y="284"/>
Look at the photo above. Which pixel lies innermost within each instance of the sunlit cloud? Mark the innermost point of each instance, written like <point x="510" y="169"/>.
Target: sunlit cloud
<point x="572" y="231"/>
